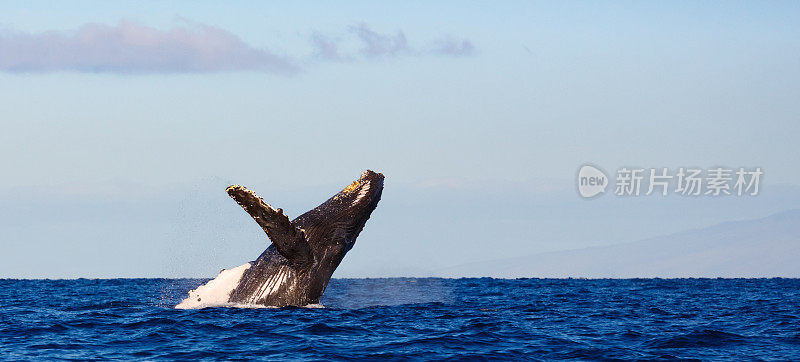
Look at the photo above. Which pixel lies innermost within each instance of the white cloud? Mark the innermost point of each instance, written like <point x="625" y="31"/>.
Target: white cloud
<point x="326" y="47"/>
<point x="454" y="48"/>
<point x="134" y="48"/>
<point x="371" y="44"/>
<point x="380" y="45"/>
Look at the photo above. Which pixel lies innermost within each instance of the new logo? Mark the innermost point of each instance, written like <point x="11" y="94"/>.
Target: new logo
<point x="591" y="181"/>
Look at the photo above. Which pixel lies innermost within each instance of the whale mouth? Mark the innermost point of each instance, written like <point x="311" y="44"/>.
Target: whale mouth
<point x="371" y="183"/>
<point x="368" y="184"/>
<point x="360" y="199"/>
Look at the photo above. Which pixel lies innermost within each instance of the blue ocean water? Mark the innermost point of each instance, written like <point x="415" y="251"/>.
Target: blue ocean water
<point x="402" y="318"/>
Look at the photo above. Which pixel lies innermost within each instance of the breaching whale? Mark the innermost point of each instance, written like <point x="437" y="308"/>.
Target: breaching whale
<point x="296" y="267"/>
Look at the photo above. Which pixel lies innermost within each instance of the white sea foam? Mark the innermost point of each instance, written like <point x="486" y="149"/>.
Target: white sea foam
<point x="216" y="292"/>
<point x="259" y="306"/>
<point x="246" y="306"/>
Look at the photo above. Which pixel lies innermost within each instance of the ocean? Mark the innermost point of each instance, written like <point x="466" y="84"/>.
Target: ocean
<point x="407" y="318"/>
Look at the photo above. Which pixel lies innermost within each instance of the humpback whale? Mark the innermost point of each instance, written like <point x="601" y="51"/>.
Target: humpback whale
<point x="295" y="269"/>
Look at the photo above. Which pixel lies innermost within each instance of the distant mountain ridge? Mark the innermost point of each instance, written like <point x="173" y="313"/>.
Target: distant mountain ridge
<point x="766" y="247"/>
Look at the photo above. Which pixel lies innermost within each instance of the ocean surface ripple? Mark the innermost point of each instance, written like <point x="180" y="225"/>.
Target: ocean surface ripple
<point x="407" y="318"/>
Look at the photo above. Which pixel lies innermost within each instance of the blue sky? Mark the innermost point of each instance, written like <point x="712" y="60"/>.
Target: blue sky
<point x="539" y="89"/>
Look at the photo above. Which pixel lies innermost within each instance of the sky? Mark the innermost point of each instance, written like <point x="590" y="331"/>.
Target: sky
<point x="121" y="119"/>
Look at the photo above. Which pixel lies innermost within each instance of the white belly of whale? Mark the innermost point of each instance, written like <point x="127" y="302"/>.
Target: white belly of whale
<point x="217" y="291"/>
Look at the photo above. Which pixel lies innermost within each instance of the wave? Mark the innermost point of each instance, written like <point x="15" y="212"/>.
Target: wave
<point x="397" y="319"/>
<point x="242" y="306"/>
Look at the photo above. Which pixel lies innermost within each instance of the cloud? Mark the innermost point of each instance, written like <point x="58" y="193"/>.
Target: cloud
<point x="374" y="45"/>
<point x="454" y="48"/>
<point x="134" y="48"/>
<point x="326" y="48"/>
<point x="380" y="45"/>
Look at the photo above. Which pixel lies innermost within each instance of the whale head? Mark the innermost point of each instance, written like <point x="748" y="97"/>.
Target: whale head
<point x="339" y="220"/>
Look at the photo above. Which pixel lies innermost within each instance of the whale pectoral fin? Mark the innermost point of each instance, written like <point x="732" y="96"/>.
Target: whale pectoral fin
<point x="289" y="240"/>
